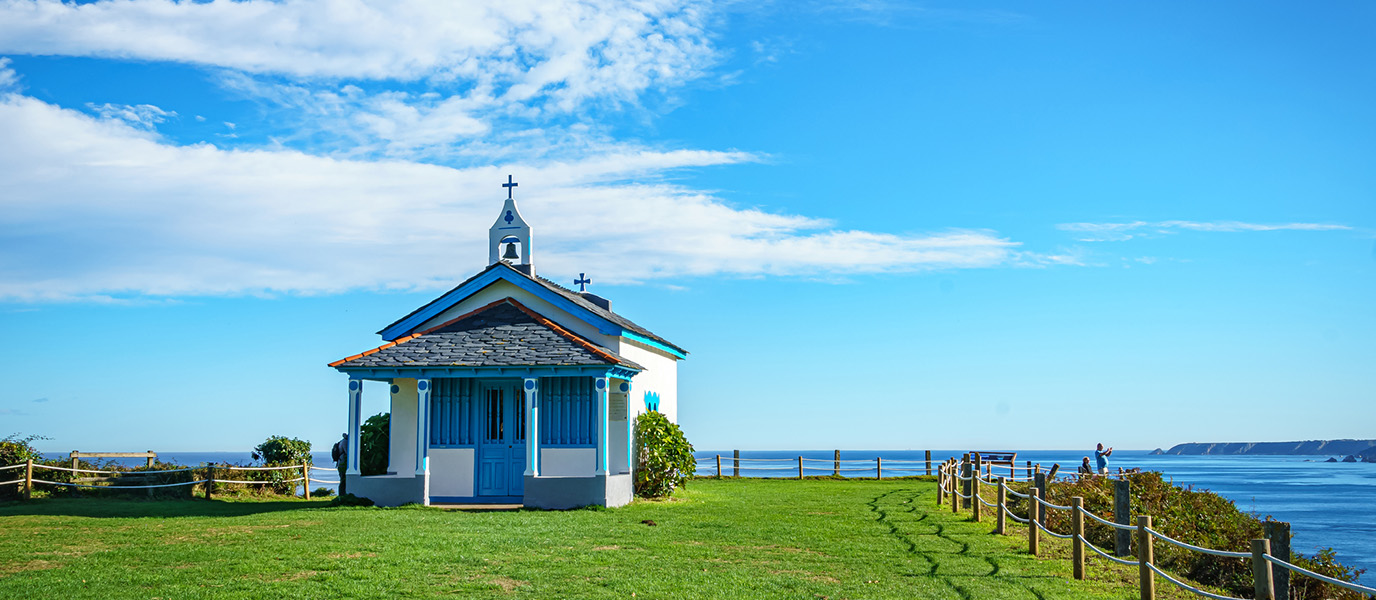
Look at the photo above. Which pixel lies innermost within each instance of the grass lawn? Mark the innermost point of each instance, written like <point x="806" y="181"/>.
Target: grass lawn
<point x="717" y="539"/>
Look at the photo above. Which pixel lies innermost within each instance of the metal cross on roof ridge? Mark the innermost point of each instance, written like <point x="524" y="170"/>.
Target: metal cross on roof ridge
<point x="582" y="282"/>
<point x="508" y="185"/>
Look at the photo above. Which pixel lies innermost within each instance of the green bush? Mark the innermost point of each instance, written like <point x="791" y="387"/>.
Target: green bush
<point x="350" y="500"/>
<point x="1197" y="517"/>
<point x="281" y="451"/>
<point x="664" y="456"/>
<point x="374" y="444"/>
<point x="139" y="476"/>
<point x="15" y="450"/>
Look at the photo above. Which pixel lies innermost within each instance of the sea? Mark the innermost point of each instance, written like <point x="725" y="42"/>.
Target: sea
<point x="1328" y="505"/>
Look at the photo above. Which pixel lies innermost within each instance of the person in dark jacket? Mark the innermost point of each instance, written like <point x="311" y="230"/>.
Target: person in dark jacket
<point x="340" y="454"/>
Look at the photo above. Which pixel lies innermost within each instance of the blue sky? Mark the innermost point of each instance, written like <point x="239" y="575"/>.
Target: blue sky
<point x="874" y="225"/>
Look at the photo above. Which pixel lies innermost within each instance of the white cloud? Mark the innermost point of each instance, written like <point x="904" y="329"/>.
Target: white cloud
<point x="1117" y="232"/>
<point x="517" y="49"/>
<point x="98" y="209"/>
<point x="142" y="116"/>
<point x="9" y="80"/>
<point x="477" y="80"/>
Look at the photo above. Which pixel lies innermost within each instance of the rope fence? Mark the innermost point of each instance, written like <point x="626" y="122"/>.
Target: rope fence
<point x="735" y="465"/>
<point x="1324" y="578"/>
<point x="125" y="480"/>
<point x="951" y="477"/>
<point x="1189" y="588"/>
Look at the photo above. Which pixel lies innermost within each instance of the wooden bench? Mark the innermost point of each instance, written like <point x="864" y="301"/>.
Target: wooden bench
<point x="998" y="458"/>
<point x="77" y="456"/>
<point x="133" y="478"/>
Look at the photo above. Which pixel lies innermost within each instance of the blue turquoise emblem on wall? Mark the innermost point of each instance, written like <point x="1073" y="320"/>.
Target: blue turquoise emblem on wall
<point x="508" y="217"/>
<point x="652" y="401"/>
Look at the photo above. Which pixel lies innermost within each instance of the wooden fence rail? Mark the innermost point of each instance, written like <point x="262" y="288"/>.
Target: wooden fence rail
<point x="1269" y="556"/>
<point x="27" y="482"/>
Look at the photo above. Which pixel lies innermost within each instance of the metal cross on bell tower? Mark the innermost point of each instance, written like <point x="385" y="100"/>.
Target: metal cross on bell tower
<point x="509" y="185"/>
<point x="582" y="282"/>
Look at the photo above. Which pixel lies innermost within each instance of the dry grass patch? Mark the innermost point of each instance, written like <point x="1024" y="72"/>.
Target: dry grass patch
<point x="352" y="555"/>
<point x="33" y="565"/>
<point x="507" y="584"/>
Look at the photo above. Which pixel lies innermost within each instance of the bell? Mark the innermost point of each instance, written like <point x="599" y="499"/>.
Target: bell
<point x="510" y="251"/>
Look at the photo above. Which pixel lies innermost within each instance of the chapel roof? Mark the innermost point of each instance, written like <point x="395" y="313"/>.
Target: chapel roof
<point x="568" y="294"/>
<point x="504" y="333"/>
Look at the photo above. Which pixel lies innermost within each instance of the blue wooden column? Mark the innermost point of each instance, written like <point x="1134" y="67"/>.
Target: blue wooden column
<point x="531" y="386"/>
<point x="423" y="389"/>
<point x="630" y="428"/>
<point x="600" y="388"/>
<point x="355" y="413"/>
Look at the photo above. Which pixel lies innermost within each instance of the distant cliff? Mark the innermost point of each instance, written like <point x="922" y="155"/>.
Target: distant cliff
<point x="1310" y="448"/>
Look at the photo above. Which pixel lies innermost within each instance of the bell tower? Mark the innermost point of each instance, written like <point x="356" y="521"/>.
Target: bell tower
<point x="509" y="238"/>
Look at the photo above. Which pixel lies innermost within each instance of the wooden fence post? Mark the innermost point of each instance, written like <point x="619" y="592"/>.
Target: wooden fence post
<point x="878" y="467"/>
<point x="1122" y="514"/>
<point x="1001" y="521"/>
<point x="718" y="466"/>
<point x="735" y="463"/>
<point x="1077" y="528"/>
<point x="955" y="497"/>
<point x="1041" y="493"/>
<point x="966" y="481"/>
<point x="1279" y="534"/>
<point x="151" y="458"/>
<point x="1145" y="556"/>
<point x="1029" y="470"/>
<point x="1033" y="512"/>
<point x="209" y="481"/>
<point x="306" y="481"/>
<point x="28" y="479"/>
<point x="836" y="458"/>
<point x="1261" y="570"/>
<point x="940" y="484"/>
<point x="974" y="502"/>
<point x="929" y="463"/>
<point x="800" y="467"/>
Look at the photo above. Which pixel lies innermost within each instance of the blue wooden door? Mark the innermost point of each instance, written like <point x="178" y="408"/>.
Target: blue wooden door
<point x="502" y="451"/>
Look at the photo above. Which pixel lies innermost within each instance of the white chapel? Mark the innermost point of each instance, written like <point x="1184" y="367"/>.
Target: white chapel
<point x="510" y="388"/>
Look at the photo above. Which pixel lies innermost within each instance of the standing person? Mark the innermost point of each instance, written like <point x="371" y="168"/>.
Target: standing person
<point x="340" y="454"/>
<point x="1101" y="458"/>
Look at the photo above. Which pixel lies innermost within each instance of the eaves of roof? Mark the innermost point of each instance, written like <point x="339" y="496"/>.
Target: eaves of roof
<point x="600" y="352"/>
<point x="505" y="271"/>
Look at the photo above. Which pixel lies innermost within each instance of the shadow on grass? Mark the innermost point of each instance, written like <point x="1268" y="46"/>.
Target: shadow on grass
<point x="106" y="508"/>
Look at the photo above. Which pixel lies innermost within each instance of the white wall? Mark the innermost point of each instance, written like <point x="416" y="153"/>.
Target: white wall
<point x="660" y="375"/>
<point x="568" y="462"/>
<point x="451" y="472"/>
<point x="402" y="456"/>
